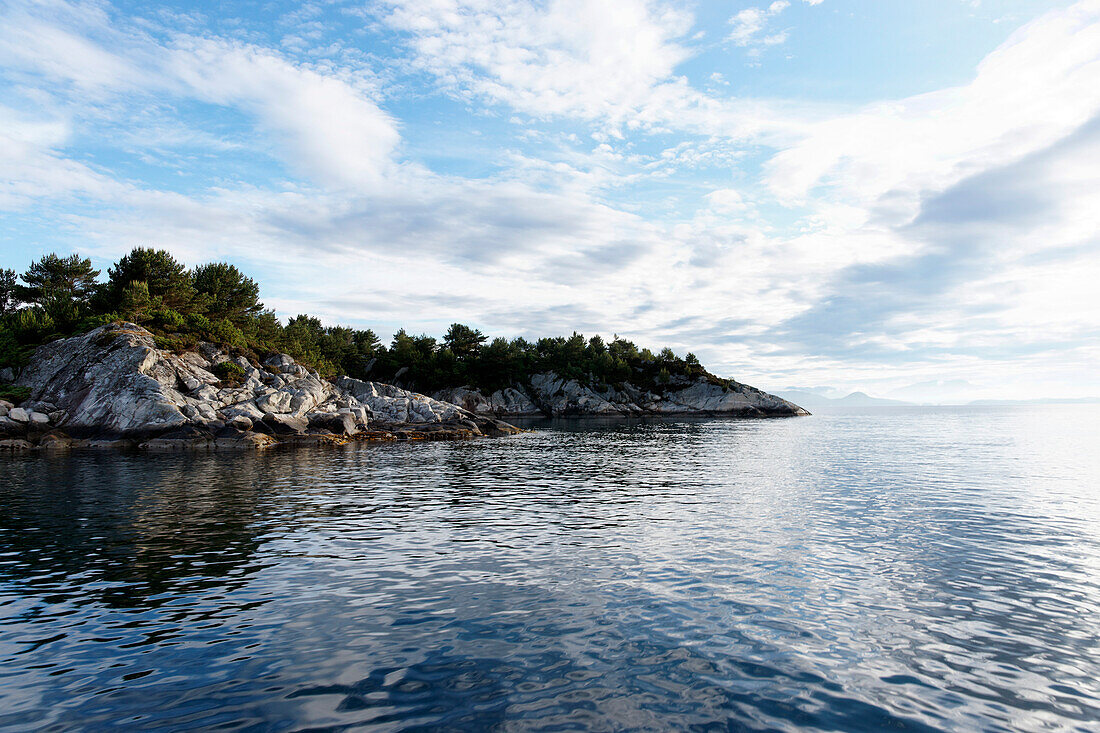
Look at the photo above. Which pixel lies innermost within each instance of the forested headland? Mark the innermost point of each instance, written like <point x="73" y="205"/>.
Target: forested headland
<point x="60" y="296"/>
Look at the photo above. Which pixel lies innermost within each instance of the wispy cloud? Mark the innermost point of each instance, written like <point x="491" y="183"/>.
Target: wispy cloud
<point x="950" y="232"/>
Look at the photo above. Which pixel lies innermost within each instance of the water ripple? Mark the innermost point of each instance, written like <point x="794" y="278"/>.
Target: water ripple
<point x="893" y="569"/>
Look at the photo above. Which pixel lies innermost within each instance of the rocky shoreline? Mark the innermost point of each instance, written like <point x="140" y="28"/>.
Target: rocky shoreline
<point x="550" y="395"/>
<point x="114" y="388"/>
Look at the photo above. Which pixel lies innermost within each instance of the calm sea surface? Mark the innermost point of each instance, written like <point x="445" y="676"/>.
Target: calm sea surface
<point x="901" y="569"/>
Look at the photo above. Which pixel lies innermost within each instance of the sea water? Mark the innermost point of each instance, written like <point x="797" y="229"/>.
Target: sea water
<point x="890" y="568"/>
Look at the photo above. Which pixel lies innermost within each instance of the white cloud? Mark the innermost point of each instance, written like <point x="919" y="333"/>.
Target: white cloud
<point x="41" y="39"/>
<point x="912" y="220"/>
<point x="326" y="128"/>
<point x="31" y="167"/>
<point x="568" y="57"/>
<point x="1037" y="87"/>
<point x="749" y="24"/>
<point x="322" y="124"/>
<point x="612" y="63"/>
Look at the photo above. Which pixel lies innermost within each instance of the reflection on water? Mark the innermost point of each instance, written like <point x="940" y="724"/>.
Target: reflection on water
<point x="912" y="569"/>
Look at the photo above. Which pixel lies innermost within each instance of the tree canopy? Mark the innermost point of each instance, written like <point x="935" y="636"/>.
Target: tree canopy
<point x="166" y="279"/>
<point x="225" y="292"/>
<point x="216" y="302"/>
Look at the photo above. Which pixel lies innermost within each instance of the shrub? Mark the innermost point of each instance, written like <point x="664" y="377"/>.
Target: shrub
<point x="33" y="326"/>
<point x="225" y="333"/>
<point x="168" y="319"/>
<point x="14" y="393"/>
<point x="89" y="323"/>
<point x="198" y="323"/>
<point x="228" y="372"/>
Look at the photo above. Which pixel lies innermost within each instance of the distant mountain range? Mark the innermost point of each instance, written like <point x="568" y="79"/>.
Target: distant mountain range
<point x="812" y="400"/>
<point x="824" y="397"/>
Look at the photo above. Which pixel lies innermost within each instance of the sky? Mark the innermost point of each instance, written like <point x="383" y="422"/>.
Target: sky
<point x="864" y="194"/>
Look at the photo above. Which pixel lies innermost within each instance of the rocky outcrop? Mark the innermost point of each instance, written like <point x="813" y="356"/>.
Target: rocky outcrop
<point x="510" y="402"/>
<point x="548" y="394"/>
<point x="113" y="385"/>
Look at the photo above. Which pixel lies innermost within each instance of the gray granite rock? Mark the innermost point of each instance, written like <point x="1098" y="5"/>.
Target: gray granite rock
<point x="114" y="383"/>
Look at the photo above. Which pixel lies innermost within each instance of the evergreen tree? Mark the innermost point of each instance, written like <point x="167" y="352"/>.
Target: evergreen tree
<point x="52" y="279"/>
<point x="463" y="341"/>
<point x="223" y="292"/>
<point x="166" y="279"/>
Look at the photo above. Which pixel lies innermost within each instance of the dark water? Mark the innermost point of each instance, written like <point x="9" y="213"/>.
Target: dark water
<point x="892" y="569"/>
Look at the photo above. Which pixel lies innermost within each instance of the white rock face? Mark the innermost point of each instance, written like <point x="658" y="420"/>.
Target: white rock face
<point x="115" y="381"/>
<point x="508" y="402"/>
<point x="112" y="379"/>
<point x="391" y="404"/>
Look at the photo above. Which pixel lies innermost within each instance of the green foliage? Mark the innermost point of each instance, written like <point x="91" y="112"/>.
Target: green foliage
<point x="464" y="342"/>
<point x="217" y="303"/>
<point x="228" y="372"/>
<point x="14" y="393"/>
<point x="198" y="323"/>
<point x="224" y="292"/>
<point x="167" y="281"/>
<point x="168" y="319"/>
<point x="32" y="326"/>
<point x="134" y="302"/>
<point x="62" y="287"/>
<point x="12" y="353"/>
<point x="225" y="333"/>
<point x="53" y="278"/>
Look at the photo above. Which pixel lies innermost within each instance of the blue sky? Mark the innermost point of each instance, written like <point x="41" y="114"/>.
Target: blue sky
<point x="868" y="195"/>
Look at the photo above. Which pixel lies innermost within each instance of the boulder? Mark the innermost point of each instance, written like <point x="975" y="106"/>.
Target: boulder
<point x="55" y="442"/>
<point x="283" y="424"/>
<point x="307" y="393"/>
<point x="276" y="402"/>
<point x="393" y="405"/>
<point x="15" y="445"/>
<point x="11" y="428"/>
<point x="240" y="422"/>
<point x="339" y="423"/>
<point x="110" y="380"/>
<point x="280" y="363"/>
<point x="195" y="359"/>
<point x="243" y="409"/>
<point x="509" y="402"/>
<point x="560" y="397"/>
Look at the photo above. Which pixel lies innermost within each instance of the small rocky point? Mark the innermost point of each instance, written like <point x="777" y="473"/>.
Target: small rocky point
<point x="112" y="387"/>
<point x="549" y="394"/>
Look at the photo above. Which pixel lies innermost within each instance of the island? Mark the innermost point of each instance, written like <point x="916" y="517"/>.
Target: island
<point x="159" y="357"/>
